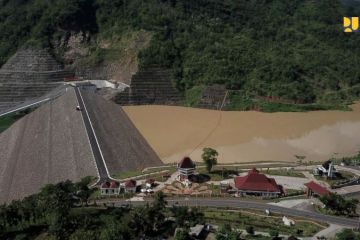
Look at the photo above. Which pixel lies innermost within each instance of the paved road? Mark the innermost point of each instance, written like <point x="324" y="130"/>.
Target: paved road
<point x="99" y="158"/>
<point x="17" y="109"/>
<point x="237" y="203"/>
<point x="57" y="92"/>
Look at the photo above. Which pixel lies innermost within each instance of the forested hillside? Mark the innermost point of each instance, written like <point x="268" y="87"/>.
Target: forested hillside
<point x="294" y="51"/>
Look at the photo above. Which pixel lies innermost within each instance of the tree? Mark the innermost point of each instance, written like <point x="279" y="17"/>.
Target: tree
<point x="347" y="234"/>
<point x="186" y="217"/>
<point x="274" y="233"/>
<point x="56" y="202"/>
<point x="60" y="225"/>
<point x="250" y="230"/>
<point x="339" y="204"/>
<point x="181" y="214"/>
<point x="83" y="191"/>
<point x="159" y="201"/>
<point x="82" y="234"/>
<point x="209" y="157"/>
<point x="227" y="233"/>
<point x="182" y="234"/>
<point x="115" y="230"/>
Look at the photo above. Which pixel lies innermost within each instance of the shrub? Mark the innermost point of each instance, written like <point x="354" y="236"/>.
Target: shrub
<point x="250" y="230"/>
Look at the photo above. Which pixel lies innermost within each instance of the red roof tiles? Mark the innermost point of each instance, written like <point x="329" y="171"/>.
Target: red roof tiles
<point x="186" y="162"/>
<point x="112" y="184"/>
<point x="316" y="188"/>
<point x="105" y="185"/>
<point x="256" y="181"/>
<point x="130" y="184"/>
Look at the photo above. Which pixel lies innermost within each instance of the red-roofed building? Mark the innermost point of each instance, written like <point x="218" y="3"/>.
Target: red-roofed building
<point x="258" y="184"/>
<point x="314" y="189"/>
<point x="110" y="188"/>
<point x="186" y="167"/>
<point x="130" y="186"/>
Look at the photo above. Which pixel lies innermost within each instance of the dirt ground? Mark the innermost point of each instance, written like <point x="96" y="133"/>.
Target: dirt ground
<point x="250" y="136"/>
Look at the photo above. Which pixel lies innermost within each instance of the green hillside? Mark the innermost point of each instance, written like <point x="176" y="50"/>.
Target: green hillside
<point x="292" y="51"/>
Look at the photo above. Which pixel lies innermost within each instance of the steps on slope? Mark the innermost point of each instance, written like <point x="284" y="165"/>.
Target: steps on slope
<point x="32" y="60"/>
<point x="29" y="74"/>
<point x="153" y="85"/>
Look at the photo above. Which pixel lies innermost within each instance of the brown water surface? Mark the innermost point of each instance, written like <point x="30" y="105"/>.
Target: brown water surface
<point x="249" y="136"/>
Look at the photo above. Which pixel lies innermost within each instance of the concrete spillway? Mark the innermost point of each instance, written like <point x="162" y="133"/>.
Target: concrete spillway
<point x="51" y="144"/>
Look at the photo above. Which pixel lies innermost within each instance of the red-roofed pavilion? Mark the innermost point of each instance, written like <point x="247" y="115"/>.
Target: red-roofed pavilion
<point x="314" y="189"/>
<point x="186" y="167"/>
<point x="257" y="184"/>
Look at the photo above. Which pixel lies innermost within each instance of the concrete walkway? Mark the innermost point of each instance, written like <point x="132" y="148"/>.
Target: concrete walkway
<point x="142" y="176"/>
<point x="286" y="181"/>
<point x="329" y="232"/>
<point x="169" y="181"/>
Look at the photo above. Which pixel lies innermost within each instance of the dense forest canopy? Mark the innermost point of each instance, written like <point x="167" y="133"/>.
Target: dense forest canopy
<point x="294" y="50"/>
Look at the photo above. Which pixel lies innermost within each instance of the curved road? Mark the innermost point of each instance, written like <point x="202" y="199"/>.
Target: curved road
<point x="232" y="203"/>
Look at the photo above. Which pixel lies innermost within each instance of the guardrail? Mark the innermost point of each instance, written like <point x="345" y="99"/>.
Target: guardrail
<point x="35" y="102"/>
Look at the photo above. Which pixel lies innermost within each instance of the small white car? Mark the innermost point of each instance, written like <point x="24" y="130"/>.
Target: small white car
<point x="78" y="108"/>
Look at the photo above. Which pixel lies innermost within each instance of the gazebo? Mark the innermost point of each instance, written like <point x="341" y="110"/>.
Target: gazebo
<point x="314" y="189"/>
<point x="186" y="167"/>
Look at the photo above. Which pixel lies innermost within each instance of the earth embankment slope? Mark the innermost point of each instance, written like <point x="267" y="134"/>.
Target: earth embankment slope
<point x="248" y="136"/>
<point x="122" y="145"/>
<point x="46" y="146"/>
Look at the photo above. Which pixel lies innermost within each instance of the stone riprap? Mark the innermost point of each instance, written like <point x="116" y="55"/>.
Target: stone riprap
<point x="123" y="146"/>
<point x="29" y="74"/>
<point x="151" y="85"/>
<point x="46" y="146"/>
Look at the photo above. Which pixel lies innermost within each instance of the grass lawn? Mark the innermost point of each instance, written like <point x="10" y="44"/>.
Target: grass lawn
<point x="261" y="222"/>
<point x="154" y="174"/>
<point x="6" y="122"/>
<point x="218" y="174"/>
<point x="170" y="168"/>
<point x="258" y="237"/>
<point x="294" y="192"/>
<point x="284" y="172"/>
<point x="131" y="174"/>
<point x="128" y="174"/>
